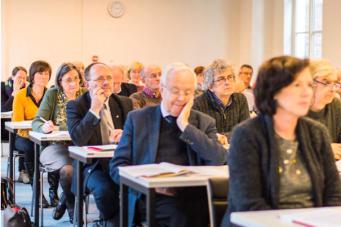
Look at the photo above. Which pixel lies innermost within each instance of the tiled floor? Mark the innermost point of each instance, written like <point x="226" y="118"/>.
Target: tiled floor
<point x="24" y="196"/>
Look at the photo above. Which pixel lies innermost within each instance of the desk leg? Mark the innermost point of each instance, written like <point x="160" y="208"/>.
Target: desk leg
<point x="36" y="184"/>
<point x="123" y="205"/>
<point x="150" y="200"/>
<point x="79" y="196"/>
<point x="11" y="151"/>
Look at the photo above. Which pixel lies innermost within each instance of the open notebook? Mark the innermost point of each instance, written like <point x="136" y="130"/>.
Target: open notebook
<point x="163" y="169"/>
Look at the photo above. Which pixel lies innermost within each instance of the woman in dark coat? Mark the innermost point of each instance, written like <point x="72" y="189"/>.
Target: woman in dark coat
<point x="281" y="159"/>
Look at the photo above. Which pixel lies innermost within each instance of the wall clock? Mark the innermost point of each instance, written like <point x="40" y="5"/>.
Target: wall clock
<point x="115" y="9"/>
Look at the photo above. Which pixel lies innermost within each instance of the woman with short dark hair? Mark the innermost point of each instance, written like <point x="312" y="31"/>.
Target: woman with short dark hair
<point x="8" y="90"/>
<point x="281" y="159"/>
<point x="25" y="106"/>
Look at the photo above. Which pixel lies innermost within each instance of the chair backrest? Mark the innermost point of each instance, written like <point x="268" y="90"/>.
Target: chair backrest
<point x="218" y="189"/>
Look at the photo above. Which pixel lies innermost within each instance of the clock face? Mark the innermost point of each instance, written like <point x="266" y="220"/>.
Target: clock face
<point x="115" y="9"/>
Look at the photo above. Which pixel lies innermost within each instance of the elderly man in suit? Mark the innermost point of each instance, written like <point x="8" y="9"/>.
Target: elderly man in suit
<point x="97" y="117"/>
<point x="170" y="132"/>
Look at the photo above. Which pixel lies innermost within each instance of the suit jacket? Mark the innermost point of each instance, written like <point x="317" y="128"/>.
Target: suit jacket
<point x="84" y="127"/>
<point x="139" y="143"/>
<point x="127" y="89"/>
<point x="6" y="97"/>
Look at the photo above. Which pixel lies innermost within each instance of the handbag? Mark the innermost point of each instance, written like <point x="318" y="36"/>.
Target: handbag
<point x="7" y="194"/>
<point x="14" y="215"/>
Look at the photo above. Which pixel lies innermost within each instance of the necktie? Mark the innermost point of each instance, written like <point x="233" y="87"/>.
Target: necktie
<point x="170" y="119"/>
<point x="106" y="124"/>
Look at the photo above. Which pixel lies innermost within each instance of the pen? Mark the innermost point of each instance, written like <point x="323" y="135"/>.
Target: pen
<point x="43" y="119"/>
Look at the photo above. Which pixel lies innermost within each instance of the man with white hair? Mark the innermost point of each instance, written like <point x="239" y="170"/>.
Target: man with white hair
<point x="170" y="132"/>
<point x="150" y="95"/>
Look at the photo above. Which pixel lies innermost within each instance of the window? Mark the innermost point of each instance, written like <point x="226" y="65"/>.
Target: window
<point x="303" y="28"/>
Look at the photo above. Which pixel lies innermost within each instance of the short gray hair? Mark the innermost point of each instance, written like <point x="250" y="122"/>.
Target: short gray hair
<point x="145" y="69"/>
<point x="217" y="66"/>
<point x="170" y="69"/>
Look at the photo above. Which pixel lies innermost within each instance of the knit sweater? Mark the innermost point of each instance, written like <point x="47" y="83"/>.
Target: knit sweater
<point x="25" y="108"/>
<point x="141" y="99"/>
<point x="254" y="162"/>
<point x="235" y="113"/>
<point x="330" y="116"/>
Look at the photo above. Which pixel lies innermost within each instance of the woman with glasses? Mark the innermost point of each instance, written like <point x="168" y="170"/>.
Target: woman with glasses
<point x="219" y="99"/>
<point x="281" y="159"/>
<point x="52" y="117"/>
<point x="326" y="108"/>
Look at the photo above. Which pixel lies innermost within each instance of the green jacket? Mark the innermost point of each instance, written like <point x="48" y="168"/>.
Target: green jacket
<point x="53" y="107"/>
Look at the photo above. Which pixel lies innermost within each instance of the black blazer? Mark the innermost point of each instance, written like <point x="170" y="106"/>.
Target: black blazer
<point x="84" y="127"/>
<point x="127" y="89"/>
<point x="6" y="97"/>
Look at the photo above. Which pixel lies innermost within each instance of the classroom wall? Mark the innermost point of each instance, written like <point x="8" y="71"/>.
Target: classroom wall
<point x="151" y="31"/>
<point x="331" y="48"/>
<point x="160" y="32"/>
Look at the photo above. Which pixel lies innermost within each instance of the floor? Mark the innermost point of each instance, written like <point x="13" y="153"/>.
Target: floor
<point x="24" y="196"/>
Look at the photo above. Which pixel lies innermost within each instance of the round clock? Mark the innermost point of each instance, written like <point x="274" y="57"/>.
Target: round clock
<point x="115" y="9"/>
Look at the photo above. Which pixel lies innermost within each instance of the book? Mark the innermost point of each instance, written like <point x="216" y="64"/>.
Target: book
<point x="321" y="217"/>
<point x="163" y="169"/>
<point x="109" y="147"/>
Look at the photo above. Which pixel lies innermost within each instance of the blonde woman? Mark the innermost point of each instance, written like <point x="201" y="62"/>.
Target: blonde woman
<point x="326" y="108"/>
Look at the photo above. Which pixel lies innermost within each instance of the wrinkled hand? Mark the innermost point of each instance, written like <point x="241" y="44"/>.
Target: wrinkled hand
<point x="115" y="135"/>
<point x="97" y="99"/>
<point x="166" y="191"/>
<point x="48" y="127"/>
<point x="336" y="147"/>
<point x="183" y="117"/>
<point x="222" y="139"/>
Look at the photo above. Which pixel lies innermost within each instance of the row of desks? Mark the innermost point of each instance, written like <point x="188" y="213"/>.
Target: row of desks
<point x="82" y="156"/>
<point x="128" y="179"/>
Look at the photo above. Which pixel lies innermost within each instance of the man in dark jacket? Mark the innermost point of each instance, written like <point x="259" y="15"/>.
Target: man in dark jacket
<point x="97" y="117"/>
<point x="170" y="132"/>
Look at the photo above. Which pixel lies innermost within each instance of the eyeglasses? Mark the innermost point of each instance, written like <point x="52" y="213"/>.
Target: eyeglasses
<point x="224" y="79"/>
<point x="101" y="79"/>
<point x="154" y="75"/>
<point x="71" y="80"/>
<point x="178" y="92"/>
<point x="330" y="85"/>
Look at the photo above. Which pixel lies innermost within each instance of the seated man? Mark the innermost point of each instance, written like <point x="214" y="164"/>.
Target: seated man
<point x="121" y="88"/>
<point x="245" y="76"/>
<point x="97" y="117"/>
<point x="170" y="132"/>
<point x="150" y="95"/>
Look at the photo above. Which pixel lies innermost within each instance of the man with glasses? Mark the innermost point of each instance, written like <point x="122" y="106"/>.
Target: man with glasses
<point x="150" y="95"/>
<point x="97" y="117"/>
<point x="170" y="132"/>
<point x="220" y="100"/>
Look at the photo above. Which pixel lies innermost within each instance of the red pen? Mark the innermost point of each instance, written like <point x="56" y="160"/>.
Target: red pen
<point x="95" y="148"/>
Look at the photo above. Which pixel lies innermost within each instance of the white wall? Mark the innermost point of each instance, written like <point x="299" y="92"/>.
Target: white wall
<point x="331" y="48"/>
<point x="151" y="31"/>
